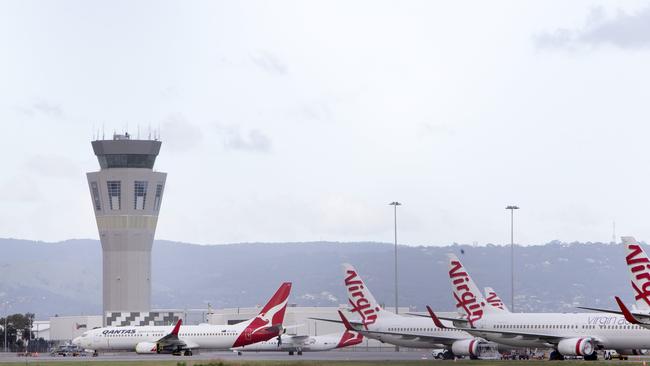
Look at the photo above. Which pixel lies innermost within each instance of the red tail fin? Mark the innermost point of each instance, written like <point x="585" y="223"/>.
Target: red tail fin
<point x="435" y="319"/>
<point x="177" y="327"/>
<point x="626" y="312"/>
<point x="268" y="323"/>
<point x="350" y="338"/>
<point x="275" y="308"/>
<point x="345" y="321"/>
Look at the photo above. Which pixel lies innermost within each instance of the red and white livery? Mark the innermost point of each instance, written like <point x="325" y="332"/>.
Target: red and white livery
<point x="569" y="334"/>
<point x="375" y="322"/>
<point x="297" y="344"/>
<point x="183" y="339"/>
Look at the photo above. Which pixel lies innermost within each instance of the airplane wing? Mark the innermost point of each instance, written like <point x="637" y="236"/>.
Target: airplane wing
<point x="642" y="319"/>
<point x="356" y="327"/>
<point x="171" y="340"/>
<point x="550" y="338"/>
<point x="297" y="339"/>
<point x="336" y="321"/>
<point x="410" y="336"/>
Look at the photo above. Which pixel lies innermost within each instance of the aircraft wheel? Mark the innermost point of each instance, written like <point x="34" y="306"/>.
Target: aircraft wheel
<point x="188" y="352"/>
<point x="448" y="355"/>
<point x="591" y="357"/>
<point x="239" y="353"/>
<point x="555" y="356"/>
<point x="290" y="353"/>
<point x="299" y="353"/>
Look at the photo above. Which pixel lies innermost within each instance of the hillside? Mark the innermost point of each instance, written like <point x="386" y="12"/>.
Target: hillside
<point x="65" y="278"/>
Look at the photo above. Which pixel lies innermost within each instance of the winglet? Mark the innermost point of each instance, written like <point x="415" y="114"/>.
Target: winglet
<point x="435" y="319"/>
<point x="626" y="312"/>
<point x="345" y="321"/>
<point x="177" y="327"/>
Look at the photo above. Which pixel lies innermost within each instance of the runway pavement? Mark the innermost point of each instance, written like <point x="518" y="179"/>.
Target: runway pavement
<point x="249" y="356"/>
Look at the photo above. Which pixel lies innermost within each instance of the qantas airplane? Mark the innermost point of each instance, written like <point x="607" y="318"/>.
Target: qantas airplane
<point x="569" y="334"/>
<point x="406" y="331"/>
<point x="183" y="339"/>
<point x="304" y="343"/>
<point x="638" y="264"/>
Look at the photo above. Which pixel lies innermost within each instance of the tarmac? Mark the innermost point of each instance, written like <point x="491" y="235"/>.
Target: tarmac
<point x="227" y="355"/>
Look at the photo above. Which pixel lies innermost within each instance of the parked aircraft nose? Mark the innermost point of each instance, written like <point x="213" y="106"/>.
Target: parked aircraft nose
<point x="77" y="341"/>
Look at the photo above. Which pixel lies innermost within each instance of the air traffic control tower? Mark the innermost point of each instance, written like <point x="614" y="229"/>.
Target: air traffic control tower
<point x="126" y="196"/>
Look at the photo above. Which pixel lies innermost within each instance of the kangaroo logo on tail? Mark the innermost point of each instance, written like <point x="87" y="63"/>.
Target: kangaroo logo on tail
<point x="360" y="298"/>
<point x="469" y="300"/>
<point x="268" y="322"/>
<point x="350" y="338"/>
<point x="639" y="266"/>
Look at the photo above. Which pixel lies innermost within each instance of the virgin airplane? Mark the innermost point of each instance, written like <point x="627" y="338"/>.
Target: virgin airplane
<point x="568" y="334"/>
<point x="406" y="331"/>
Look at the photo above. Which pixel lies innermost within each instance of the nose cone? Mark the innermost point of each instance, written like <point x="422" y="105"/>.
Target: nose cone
<point x="77" y="341"/>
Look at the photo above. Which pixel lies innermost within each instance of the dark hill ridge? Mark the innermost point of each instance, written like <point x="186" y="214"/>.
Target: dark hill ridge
<point x="65" y="278"/>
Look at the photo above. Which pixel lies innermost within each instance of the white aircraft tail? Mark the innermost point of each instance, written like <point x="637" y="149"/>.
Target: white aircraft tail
<point x="495" y="304"/>
<point x="469" y="300"/>
<point x="639" y="266"/>
<point x="361" y="299"/>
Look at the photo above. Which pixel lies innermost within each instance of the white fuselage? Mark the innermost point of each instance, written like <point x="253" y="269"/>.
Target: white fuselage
<point x="609" y="331"/>
<point x="126" y="338"/>
<point x="412" y="325"/>
<point x="289" y="344"/>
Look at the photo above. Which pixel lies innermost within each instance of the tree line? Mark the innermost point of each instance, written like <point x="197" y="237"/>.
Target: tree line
<point x="19" y="336"/>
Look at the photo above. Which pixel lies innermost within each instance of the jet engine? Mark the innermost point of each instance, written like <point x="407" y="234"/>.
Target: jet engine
<point x="466" y="347"/>
<point x="576" y="347"/>
<point x="146" y="347"/>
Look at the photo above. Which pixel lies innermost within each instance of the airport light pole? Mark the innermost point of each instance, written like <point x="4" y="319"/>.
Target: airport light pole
<point x="395" y="204"/>
<point x="512" y="209"/>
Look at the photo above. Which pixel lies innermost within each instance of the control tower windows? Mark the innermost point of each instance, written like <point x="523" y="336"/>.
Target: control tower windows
<point x="114" y="194"/>
<point x="139" y="194"/>
<point x="156" y="201"/>
<point x="95" y="191"/>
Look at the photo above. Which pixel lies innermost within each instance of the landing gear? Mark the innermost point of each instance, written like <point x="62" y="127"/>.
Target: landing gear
<point x="299" y="353"/>
<point x="290" y="353"/>
<point x="239" y="353"/>
<point x="591" y="357"/>
<point x="188" y="352"/>
<point x="447" y="355"/>
<point x="556" y="356"/>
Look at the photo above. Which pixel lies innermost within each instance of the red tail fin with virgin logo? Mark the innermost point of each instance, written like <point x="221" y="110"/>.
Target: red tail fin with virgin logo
<point x="639" y="266"/>
<point x="469" y="300"/>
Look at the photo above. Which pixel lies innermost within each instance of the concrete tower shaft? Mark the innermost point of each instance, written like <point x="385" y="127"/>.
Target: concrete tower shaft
<point x="126" y="195"/>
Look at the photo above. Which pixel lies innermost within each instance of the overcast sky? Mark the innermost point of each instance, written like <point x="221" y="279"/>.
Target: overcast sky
<point x="301" y="121"/>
